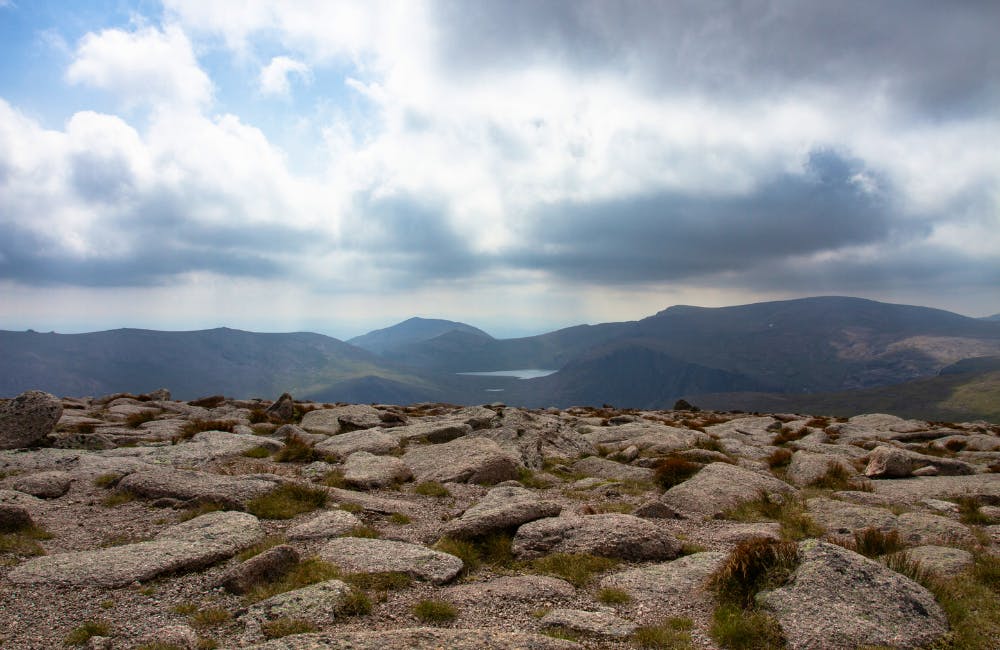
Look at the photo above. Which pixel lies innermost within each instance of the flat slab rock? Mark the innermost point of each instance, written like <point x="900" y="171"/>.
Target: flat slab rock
<point x="368" y="471"/>
<point x="684" y="577"/>
<point x="600" y="623"/>
<point x="839" y="600"/>
<point x="374" y="441"/>
<point x="526" y="589"/>
<point x="320" y="603"/>
<point x="188" y="484"/>
<point x="502" y="508"/>
<point x="843" y="518"/>
<point x="610" y="535"/>
<point x="188" y="546"/>
<point x="984" y="487"/>
<point x="329" y="523"/>
<point x="720" y="487"/>
<point x="342" y="418"/>
<point x="465" y="460"/>
<point x="941" y="560"/>
<point x="604" y="468"/>
<point x="363" y="555"/>
<point x="420" y="638"/>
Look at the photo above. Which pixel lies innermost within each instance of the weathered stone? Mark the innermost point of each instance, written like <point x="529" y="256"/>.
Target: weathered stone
<point x="341" y="419"/>
<point x="646" y="436"/>
<point x="421" y="638"/>
<point x="656" y="509"/>
<point x="14" y="517"/>
<point x="231" y="491"/>
<point x="683" y="578"/>
<point x="610" y="535"/>
<point x="465" y="460"/>
<point x="372" y="503"/>
<point x="845" y="518"/>
<point x="283" y="408"/>
<point x="720" y="487"/>
<point x="189" y="546"/>
<point x="318" y="603"/>
<point x="363" y="555"/>
<point x="266" y="566"/>
<point x="807" y="468"/>
<point x="28" y="418"/>
<point x="599" y="623"/>
<point x="983" y="487"/>
<point x="45" y="485"/>
<point x="832" y="595"/>
<point x="434" y="432"/>
<point x="888" y="462"/>
<point x="525" y="589"/>
<point x="941" y="560"/>
<point x="329" y="523"/>
<point x="604" y="468"/>
<point x="918" y="528"/>
<point x="503" y="508"/>
<point x="176" y="637"/>
<point x="368" y="471"/>
<point x="530" y="438"/>
<point x="374" y="441"/>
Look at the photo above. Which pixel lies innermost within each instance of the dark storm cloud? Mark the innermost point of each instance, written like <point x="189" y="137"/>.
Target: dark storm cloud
<point x="410" y="240"/>
<point x="937" y="58"/>
<point x="31" y="259"/>
<point x="674" y="236"/>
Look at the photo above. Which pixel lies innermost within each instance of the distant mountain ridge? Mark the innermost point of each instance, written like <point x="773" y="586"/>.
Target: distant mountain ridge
<point x="788" y="348"/>
<point x="190" y="364"/>
<point x="413" y="330"/>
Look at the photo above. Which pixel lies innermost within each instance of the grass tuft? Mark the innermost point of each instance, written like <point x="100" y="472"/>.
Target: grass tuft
<point x="610" y="596"/>
<point x="194" y="427"/>
<point x="754" y="565"/>
<point x="431" y="489"/>
<point x="108" y="480"/>
<point x="576" y="568"/>
<point x="88" y="629"/>
<point x="119" y="497"/>
<point x="287" y="501"/>
<point x="305" y="573"/>
<point x="968" y="511"/>
<point x="674" y="634"/>
<point x="286" y="626"/>
<point x="399" y="519"/>
<point x="257" y="452"/>
<point x="779" y="458"/>
<point x="674" y="470"/>
<point x="795" y="522"/>
<point x="136" y="420"/>
<point x="356" y="603"/>
<point x="435" y="611"/>
<point x="296" y="450"/>
<point x="872" y="542"/>
<point x="210" y="617"/>
<point x="464" y="550"/>
<point x="738" y="629"/>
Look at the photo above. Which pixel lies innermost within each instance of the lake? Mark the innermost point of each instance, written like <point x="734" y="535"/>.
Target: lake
<point x="526" y="373"/>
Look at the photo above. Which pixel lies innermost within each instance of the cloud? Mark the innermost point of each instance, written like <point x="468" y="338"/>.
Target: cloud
<point x="274" y="76"/>
<point x="148" y="67"/>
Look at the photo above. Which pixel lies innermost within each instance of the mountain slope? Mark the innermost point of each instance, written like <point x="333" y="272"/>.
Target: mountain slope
<point x="413" y="330"/>
<point x="628" y="375"/>
<point x="962" y="392"/>
<point x="190" y="364"/>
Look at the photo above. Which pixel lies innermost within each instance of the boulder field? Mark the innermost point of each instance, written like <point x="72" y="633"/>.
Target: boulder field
<point x="137" y="521"/>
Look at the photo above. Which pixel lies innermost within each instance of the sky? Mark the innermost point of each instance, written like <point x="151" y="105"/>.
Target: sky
<point x="520" y="165"/>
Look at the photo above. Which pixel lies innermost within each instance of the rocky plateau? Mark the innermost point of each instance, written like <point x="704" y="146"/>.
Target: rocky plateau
<point x="143" y="522"/>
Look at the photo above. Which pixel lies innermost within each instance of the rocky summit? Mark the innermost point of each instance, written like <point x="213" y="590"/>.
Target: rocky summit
<point x="142" y="522"/>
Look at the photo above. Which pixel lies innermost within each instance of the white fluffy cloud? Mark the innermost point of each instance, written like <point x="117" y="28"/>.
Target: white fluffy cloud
<point x="513" y="152"/>
<point x="274" y="76"/>
<point x="150" y="67"/>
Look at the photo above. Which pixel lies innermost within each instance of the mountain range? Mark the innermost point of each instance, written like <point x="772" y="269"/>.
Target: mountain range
<point x="752" y="357"/>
